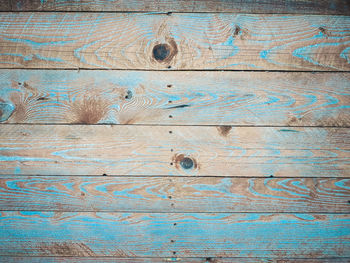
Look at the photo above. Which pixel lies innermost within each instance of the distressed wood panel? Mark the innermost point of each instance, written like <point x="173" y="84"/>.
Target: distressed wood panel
<point x="177" y="41"/>
<point x="251" y="6"/>
<point x="9" y="259"/>
<point x="5" y="5"/>
<point x="136" y="97"/>
<point x="167" y="194"/>
<point x="174" y="150"/>
<point x="181" y="235"/>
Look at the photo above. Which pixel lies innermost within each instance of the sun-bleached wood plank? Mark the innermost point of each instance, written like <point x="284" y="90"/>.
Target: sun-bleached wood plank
<point x="174" y="234"/>
<point x="205" y="98"/>
<point x="167" y="194"/>
<point x="251" y="6"/>
<point x="174" y="150"/>
<point x="9" y="259"/>
<point x="177" y="41"/>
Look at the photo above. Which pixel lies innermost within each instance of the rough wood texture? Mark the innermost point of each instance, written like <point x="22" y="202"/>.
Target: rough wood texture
<point x="5" y="5"/>
<point x="174" y="150"/>
<point x="168" y="235"/>
<point x="250" y="6"/>
<point x="179" y="41"/>
<point x="9" y="259"/>
<point x="167" y="194"/>
<point x="135" y="97"/>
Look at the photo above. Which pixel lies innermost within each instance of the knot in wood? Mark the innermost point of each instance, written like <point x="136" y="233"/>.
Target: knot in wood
<point x="164" y="52"/>
<point x="161" y="52"/>
<point x="186" y="163"/>
<point x="6" y="110"/>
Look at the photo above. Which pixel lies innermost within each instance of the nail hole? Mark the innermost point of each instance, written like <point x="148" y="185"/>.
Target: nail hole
<point x="104" y="175"/>
<point x="172" y="204"/>
<point x="19" y="83"/>
<point x="169" y="13"/>
<point x="170" y="116"/>
<point x="171" y="150"/>
<point x="169" y="66"/>
<point x="172" y="241"/>
<point x="169" y="101"/>
<point x="170" y="132"/>
<point x="169" y="85"/>
<point x="174" y="252"/>
<point x="171" y="163"/>
<point x="169" y="197"/>
<point x="271" y="175"/>
<point x="175" y="224"/>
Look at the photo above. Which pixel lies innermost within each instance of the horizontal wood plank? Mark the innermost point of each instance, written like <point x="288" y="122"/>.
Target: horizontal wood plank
<point x="174" y="194"/>
<point x="9" y="259"/>
<point x="251" y="6"/>
<point x="176" y="41"/>
<point x="195" y="98"/>
<point x="168" y="235"/>
<point x="174" y="150"/>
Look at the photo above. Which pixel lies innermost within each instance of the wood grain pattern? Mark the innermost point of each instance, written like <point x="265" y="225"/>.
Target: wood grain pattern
<point x="251" y="6"/>
<point x="174" y="194"/>
<point x="195" y="98"/>
<point x="174" y="150"/>
<point x="9" y="259"/>
<point x="187" y="41"/>
<point x="168" y="235"/>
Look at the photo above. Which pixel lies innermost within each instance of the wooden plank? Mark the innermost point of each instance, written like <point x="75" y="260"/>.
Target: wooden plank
<point x="174" y="150"/>
<point x="5" y="5"/>
<point x="196" y="98"/>
<point x="174" y="194"/>
<point x="176" y="41"/>
<point x="168" y="235"/>
<point x="7" y="259"/>
<point x="236" y="6"/>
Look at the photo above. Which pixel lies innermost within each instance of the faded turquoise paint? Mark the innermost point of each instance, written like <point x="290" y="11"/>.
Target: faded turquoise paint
<point x="238" y="98"/>
<point x="152" y="194"/>
<point x="265" y="235"/>
<point x="6" y="110"/>
<point x="92" y="40"/>
<point x="276" y="152"/>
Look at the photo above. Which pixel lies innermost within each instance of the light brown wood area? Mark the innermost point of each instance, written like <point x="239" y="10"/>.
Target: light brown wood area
<point x="200" y="131"/>
<point x="174" y="150"/>
<point x="175" y="98"/>
<point x="176" y="41"/>
<point x="174" y="194"/>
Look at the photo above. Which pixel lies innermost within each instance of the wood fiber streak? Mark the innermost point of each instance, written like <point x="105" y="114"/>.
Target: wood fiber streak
<point x="194" y="41"/>
<point x="251" y="6"/>
<point x="161" y="234"/>
<point x="192" y="98"/>
<point x="8" y="259"/>
<point x="168" y="150"/>
<point x="166" y="194"/>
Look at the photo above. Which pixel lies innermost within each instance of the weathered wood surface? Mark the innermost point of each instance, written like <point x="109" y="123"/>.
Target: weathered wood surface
<point x="174" y="194"/>
<point x="179" y="41"/>
<point x="9" y="259"/>
<point x="251" y="6"/>
<point x="174" y="150"/>
<point x="135" y="97"/>
<point x="174" y="234"/>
